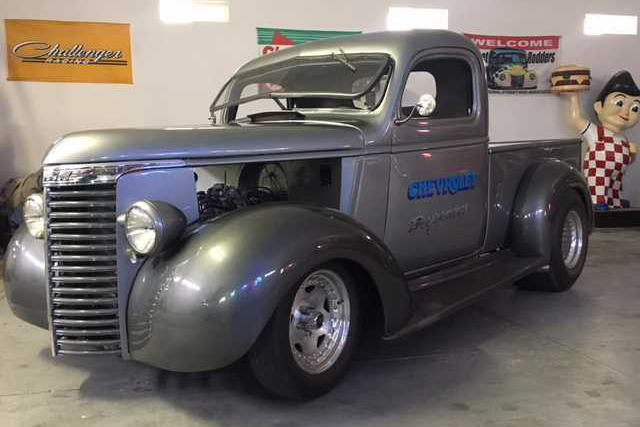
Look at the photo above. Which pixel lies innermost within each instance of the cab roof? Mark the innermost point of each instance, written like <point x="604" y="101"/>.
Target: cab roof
<point x="402" y="46"/>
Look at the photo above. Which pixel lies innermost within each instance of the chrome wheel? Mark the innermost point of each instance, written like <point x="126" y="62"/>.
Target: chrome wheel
<point x="319" y="322"/>
<point x="572" y="239"/>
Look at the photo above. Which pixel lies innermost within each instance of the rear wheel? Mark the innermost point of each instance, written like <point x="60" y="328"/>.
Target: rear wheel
<point x="569" y="241"/>
<point x="306" y="346"/>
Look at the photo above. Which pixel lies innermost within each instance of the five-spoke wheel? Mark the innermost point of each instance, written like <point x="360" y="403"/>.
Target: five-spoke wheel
<point x="306" y="346"/>
<point x="320" y="320"/>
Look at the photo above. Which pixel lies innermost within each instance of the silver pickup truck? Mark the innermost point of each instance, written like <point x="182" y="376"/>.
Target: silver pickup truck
<point x="344" y="185"/>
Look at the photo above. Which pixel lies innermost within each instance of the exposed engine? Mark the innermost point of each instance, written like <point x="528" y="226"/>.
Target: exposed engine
<point x="223" y="198"/>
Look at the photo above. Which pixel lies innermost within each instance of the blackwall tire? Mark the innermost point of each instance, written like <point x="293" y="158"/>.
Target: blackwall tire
<point x="290" y="358"/>
<point x="569" y="243"/>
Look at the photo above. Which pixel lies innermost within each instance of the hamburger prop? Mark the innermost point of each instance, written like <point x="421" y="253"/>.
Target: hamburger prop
<point x="608" y="151"/>
<point x="570" y="78"/>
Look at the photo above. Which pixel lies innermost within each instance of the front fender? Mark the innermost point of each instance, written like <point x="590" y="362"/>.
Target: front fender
<point x="533" y="212"/>
<point x="203" y="305"/>
<point x="25" y="280"/>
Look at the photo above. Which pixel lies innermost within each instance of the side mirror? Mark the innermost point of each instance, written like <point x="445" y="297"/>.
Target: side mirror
<point x="426" y="105"/>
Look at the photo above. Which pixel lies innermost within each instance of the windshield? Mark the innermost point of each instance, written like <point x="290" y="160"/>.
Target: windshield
<point x="339" y="80"/>
<point x="512" y="58"/>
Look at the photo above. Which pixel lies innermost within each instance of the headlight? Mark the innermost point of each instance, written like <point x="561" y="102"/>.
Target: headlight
<point x="141" y="229"/>
<point x="33" y="212"/>
<point x="151" y="225"/>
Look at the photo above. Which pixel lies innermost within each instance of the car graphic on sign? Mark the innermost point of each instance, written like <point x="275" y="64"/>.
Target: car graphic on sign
<point x="508" y="68"/>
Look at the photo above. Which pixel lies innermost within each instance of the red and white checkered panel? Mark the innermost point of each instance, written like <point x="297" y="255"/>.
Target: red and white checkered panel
<point x="604" y="165"/>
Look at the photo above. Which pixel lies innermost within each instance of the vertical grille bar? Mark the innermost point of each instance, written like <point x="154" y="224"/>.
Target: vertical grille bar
<point x="81" y="261"/>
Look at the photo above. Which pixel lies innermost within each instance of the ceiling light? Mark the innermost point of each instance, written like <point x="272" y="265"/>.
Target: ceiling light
<point x="598" y="24"/>
<point x="187" y="11"/>
<point x="409" y="18"/>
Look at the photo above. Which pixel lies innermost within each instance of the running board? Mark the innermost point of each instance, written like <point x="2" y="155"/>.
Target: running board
<point x="439" y="294"/>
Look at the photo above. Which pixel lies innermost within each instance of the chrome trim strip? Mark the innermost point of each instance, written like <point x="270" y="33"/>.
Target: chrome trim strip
<point x="98" y="173"/>
<point x="495" y="147"/>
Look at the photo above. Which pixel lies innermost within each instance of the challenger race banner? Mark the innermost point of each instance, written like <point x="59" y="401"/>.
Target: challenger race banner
<point x="517" y="64"/>
<point x="64" y="51"/>
<point x="274" y="39"/>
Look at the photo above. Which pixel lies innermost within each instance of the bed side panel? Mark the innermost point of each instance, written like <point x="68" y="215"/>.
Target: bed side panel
<point x="507" y="164"/>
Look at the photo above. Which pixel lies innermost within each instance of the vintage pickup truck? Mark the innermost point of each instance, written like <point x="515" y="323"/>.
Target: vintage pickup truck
<point x="345" y="184"/>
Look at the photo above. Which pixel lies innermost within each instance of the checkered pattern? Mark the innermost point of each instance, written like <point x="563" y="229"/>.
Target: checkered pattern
<point x="604" y="165"/>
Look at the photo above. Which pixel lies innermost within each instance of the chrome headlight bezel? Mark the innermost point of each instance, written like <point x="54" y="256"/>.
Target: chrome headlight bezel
<point x="33" y="215"/>
<point x="166" y="221"/>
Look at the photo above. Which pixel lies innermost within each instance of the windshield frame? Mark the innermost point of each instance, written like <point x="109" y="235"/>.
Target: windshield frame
<point x="386" y="64"/>
<point x="514" y="58"/>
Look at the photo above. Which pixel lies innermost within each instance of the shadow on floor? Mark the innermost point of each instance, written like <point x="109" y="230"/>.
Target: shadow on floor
<point x="444" y="356"/>
<point x="515" y="358"/>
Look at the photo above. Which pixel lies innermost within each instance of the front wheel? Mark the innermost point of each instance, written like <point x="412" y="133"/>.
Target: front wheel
<point x="569" y="242"/>
<point x="306" y="346"/>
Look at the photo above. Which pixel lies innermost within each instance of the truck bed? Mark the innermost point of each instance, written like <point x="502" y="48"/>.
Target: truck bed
<point x="508" y="162"/>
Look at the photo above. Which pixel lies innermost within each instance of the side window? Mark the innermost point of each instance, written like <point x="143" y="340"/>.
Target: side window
<point x="448" y="80"/>
<point x="418" y="83"/>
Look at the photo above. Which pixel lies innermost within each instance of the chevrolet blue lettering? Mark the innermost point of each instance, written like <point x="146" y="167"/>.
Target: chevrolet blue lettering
<point x="441" y="186"/>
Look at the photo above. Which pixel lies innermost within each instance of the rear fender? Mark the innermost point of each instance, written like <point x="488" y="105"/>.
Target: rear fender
<point x="534" y="210"/>
<point x="202" y="305"/>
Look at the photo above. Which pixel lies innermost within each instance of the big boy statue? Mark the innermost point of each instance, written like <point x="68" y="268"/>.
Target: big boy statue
<point x="608" y="150"/>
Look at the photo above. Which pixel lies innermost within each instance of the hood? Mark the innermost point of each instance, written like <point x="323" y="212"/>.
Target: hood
<point x="236" y="140"/>
<point x="517" y="70"/>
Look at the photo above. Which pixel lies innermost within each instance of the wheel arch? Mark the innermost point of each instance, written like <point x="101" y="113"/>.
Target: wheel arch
<point x="370" y="296"/>
<point x="533" y="211"/>
<point x="202" y="305"/>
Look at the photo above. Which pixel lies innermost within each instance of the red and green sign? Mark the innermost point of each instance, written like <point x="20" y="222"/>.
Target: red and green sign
<point x="274" y="39"/>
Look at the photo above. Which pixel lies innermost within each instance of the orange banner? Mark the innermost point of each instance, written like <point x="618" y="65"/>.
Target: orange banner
<point x="62" y="51"/>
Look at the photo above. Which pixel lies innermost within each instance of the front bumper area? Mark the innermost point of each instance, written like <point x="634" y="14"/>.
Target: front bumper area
<point x="25" y="280"/>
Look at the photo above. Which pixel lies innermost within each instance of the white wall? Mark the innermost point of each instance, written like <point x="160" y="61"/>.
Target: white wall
<point x="178" y="68"/>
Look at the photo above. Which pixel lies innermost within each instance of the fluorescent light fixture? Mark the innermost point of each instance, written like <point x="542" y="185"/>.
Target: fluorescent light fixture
<point x="187" y="11"/>
<point x="598" y="24"/>
<point x="409" y="18"/>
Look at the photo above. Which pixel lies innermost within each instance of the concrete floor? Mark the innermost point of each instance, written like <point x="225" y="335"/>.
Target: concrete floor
<point x="515" y="359"/>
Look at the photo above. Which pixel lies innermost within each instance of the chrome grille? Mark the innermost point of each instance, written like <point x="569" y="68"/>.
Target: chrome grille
<point x="517" y="81"/>
<point x="81" y="259"/>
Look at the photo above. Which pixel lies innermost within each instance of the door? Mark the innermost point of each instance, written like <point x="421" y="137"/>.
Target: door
<point x="439" y="162"/>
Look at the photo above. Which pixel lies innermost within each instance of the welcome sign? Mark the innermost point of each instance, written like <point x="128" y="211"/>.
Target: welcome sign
<point x="518" y="64"/>
<point x="64" y="51"/>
